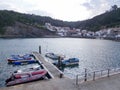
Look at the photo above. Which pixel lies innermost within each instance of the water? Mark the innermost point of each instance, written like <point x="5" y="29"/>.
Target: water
<point x="93" y="54"/>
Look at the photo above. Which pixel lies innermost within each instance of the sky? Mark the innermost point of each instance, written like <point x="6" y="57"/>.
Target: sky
<point x="66" y="10"/>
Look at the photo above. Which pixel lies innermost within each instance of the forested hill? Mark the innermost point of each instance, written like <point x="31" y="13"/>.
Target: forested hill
<point x="8" y="18"/>
<point x="108" y="19"/>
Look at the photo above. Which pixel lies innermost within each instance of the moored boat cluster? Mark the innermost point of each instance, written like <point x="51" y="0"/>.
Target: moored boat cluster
<point x="34" y="73"/>
<point x="61" y="59"/>
<point x="27" y="74"/>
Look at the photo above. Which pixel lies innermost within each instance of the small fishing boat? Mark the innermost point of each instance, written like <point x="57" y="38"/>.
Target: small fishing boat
<point x="26" y="77"/>
<point x="54" y="56"/>
<point x="70" y="61"/>
<point x="21" y="62"/>
<point x="19" y="58"/>
<point x="31" y="69"/>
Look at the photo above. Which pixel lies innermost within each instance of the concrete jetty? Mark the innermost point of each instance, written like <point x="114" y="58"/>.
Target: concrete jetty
<point x="50" y="67"/>
<point x="64" y="83"/>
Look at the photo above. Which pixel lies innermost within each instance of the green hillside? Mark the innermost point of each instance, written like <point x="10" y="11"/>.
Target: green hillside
<point x="105" y="20"/>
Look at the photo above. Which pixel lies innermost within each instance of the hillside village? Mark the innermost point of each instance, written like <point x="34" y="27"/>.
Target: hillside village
<point x="19" y="25"/>
<point x="110" y="33"/>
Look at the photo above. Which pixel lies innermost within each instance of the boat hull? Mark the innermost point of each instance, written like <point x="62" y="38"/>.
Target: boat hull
<point x="28" y="77"/>
<point x="71" y="61"/>
<point x="19" y="58"/>
<point x="54" y="56"/>
<point x="24" y="62"/>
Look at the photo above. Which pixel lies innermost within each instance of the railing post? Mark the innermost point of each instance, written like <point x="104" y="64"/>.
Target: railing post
<point x="115" y="70"/>
<point x="101" y="72"/>
<point x="93" y="76"/>
<point x="85" y="75"/>
<point x="108" y="73"/>
<point x="40" y="49"/>
<point x="76" y="79"/>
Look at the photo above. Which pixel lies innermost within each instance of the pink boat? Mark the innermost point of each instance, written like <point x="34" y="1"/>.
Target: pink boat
<point x="25" y="77"/>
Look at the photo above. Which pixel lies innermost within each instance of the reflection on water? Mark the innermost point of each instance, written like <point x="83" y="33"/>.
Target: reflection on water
<point x="93" y="54"/>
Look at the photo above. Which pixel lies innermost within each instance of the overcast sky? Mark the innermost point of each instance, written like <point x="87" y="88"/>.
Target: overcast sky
<point x="67" y="10"/>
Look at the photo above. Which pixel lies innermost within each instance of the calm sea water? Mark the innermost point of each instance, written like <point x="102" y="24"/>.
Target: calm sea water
<point x="93" y="54"/>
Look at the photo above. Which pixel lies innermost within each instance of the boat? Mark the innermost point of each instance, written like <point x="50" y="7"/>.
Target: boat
<point x="54" y="56"/>
<point x="21" y="62"/>
<point x="19" y="58"/>
<point x="70" y="61"/>
<point x="31" y="69"/>
<point x="20" y="78"/>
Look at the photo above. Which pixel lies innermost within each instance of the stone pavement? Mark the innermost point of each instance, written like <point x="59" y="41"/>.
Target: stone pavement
<point x="106" y="83"/>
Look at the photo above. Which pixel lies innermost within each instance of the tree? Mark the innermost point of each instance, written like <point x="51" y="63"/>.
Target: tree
<point x="114" y="7"/>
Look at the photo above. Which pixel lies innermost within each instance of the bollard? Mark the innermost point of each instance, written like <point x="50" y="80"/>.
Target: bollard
<point x="59" y="62"/>
<point x="61" y="75"/>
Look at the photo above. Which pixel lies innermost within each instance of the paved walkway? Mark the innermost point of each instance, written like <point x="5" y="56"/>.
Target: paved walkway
<point x="111" y="83"/>
<point x="106" y="83"/>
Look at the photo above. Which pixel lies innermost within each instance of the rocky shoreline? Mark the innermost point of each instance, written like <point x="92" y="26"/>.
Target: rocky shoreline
<point x="51" y="36"/>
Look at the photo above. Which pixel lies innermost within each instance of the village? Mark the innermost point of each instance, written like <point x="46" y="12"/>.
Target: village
<point x="110" y="33"/>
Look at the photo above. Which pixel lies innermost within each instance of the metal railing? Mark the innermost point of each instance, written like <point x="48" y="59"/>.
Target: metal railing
<point x="95" y="75"/>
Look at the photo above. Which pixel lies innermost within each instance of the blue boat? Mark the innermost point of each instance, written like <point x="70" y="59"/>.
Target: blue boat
<point x="21" y="62"/>
<point x="70" y="61"/>
<point x="19" y="58"/>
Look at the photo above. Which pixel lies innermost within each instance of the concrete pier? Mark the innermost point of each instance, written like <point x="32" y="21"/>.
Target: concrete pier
<point x="57" y="83"/>
<point x="50" y="67"/>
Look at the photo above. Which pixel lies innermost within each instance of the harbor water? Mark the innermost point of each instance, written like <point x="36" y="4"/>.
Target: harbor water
<point x="94" y="54"/>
